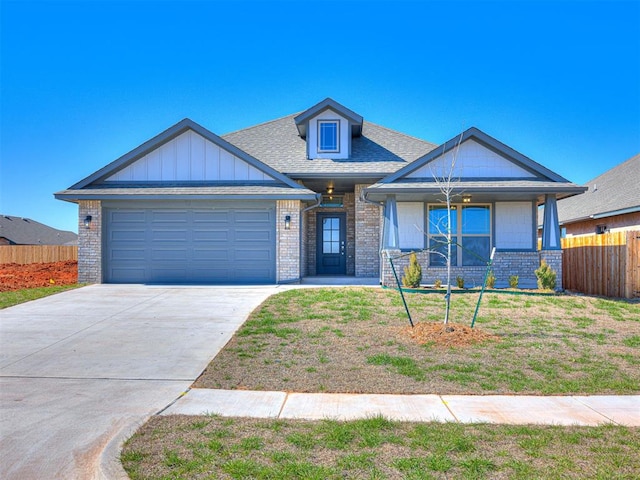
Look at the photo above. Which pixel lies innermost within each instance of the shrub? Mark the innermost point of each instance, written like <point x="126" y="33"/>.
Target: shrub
<point x="491" y="279"/>
<point x="460" y="281"/>
<point x="437" y="283"/>
<point x="546" y="276"/>
<point x="413" y="273"/>
<point x="513" y="281"/>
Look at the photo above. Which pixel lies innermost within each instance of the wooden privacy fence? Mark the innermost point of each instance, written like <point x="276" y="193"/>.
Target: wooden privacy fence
<point x="37" y="253"/>
<point x="607" y="264"/>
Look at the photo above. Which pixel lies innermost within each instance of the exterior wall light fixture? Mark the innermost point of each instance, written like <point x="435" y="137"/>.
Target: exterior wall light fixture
<point x="87" y="221"/>
<point x="287" y="222"/>
<point x="466" y="199"/>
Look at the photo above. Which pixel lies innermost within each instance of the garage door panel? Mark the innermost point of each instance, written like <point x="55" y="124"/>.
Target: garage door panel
<point x="169" y="216"/>
<point x="211" y="235"/>
<point x="252" y="217"/>
<point x="169" y="235"/>
<point x="252" y="235"/>
<point x="130" y="216"/>
<point x="210" y="216"/>
<point x="125" y="253"/>
<point x="130" y="275"/>
<point x="218" y="255"/>
<point x="206" y="245"/>
<point x="128" y="236"/>
<point x="252" y="255"/>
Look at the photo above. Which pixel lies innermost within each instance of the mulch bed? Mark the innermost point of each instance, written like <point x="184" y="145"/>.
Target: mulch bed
<point x="449" y="335"/>
<point x="14" y="276"/>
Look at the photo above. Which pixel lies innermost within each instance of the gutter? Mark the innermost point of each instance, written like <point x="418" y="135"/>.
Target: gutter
<point x="315" y="205"/>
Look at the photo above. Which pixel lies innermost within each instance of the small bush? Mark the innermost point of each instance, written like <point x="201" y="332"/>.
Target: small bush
<point x="546" y="276"/>
<point x="460" y="281"/>
<point x="513" y="281"/>
<point x="437" y="283"/>
<point x="491" y="280"/>
<point x="413" y="273"/>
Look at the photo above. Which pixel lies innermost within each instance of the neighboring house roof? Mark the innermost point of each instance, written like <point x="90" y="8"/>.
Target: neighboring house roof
<point x="615" y="192"/>
<point x="377" y="152"/>
<point x="25" y="231"/>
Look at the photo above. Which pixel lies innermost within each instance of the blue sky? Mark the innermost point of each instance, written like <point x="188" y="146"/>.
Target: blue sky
<point x="84" y="82"/>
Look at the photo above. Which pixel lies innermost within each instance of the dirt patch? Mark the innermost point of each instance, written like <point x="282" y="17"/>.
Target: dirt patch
<point x="450" y="335"/>
<point x="14" y="276"/>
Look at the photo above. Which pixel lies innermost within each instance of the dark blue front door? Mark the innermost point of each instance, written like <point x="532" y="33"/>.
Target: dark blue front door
<point x="330" y="244"/>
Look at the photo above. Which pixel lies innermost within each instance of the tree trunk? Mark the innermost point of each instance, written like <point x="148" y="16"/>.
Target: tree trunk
<point x="448" y="295"/>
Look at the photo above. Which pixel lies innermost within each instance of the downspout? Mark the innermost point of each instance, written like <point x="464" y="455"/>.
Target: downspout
<point x="306" y="209"/>
<point x="363" y="197"/>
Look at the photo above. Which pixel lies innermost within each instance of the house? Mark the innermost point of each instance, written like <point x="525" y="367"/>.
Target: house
<point x="611" y="203"/>
<point x="321" y="192"/>
<point x="25" y="231"/>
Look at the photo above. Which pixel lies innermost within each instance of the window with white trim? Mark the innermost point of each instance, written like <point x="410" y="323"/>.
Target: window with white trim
<point x="328" y="136"/>
<point x="470" y="228"/>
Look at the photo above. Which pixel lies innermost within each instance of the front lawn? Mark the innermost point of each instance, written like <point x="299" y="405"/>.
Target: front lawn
<point x="15" y="297"/>
<point x="357" y="340"/>
<point x="207" y="447"/>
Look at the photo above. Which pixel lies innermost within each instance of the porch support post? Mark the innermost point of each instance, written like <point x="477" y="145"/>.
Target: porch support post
<point x="390" y="238"/>
<point x="550" y="225"/>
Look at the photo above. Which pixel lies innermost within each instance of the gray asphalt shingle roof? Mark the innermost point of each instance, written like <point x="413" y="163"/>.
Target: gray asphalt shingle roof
<point x="204" y="191"/>
<point x="378" y="150"/>
<point x="539" y="186"/>
<point x="24" y="231"/>
<point x="615" y="190"/>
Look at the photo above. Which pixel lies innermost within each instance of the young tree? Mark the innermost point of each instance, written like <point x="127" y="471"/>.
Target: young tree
<point x="447" y="183"/>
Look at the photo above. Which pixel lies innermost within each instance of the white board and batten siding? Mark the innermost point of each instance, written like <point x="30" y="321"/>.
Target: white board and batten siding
<point x="189" y="157"/>
<point x="472" y="160"/>
<point x="411" y="231"/>
<point x="514" y="225"/>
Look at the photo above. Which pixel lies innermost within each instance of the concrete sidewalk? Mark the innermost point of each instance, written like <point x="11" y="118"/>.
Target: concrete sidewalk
<point x="508" y="409"/>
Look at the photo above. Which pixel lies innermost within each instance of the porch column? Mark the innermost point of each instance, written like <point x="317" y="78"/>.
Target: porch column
<point x="390" y="238"/>
<point x="551" y="251"/>
<point x="550" y="225"/>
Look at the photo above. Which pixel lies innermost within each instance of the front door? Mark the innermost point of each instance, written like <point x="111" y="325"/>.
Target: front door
<point x="331" y="250"/>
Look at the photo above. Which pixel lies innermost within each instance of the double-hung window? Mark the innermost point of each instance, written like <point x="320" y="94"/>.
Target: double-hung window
<point x="470" y="228"/>
<point x="328" y="136"/>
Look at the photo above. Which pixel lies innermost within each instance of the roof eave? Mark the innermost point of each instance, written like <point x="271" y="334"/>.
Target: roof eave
<point x="75" y="197"/>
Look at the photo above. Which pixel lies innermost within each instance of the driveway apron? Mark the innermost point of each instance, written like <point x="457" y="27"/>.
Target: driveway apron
<point x="84" y="367"/>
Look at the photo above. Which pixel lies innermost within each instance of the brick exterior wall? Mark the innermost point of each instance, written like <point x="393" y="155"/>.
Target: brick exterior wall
<point x="554" y="260"/>
<point x="368" y="222"/>
<point x="304" y="244"/>
<point x="505" y="264"/>
<point x="288" y="242"/>
<point x="90" y="242"/>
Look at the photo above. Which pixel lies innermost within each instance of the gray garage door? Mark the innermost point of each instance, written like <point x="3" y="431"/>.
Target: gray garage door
<point x="212" y="244"/>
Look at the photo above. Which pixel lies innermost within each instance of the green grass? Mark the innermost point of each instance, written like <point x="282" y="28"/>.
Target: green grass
<point x="9" y="299"/>
<point x="347" y="339"/>
<point x="402" y="365"/>
<point x="168" y="447"/>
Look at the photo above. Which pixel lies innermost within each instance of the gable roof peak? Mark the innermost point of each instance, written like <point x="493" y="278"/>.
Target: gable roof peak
<point x="485" y="140"/>
<point x="171" y="133"/>
<point x="328" y="103"/>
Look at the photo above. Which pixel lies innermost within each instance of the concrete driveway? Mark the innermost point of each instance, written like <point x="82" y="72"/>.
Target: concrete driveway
<point x="81" y="370"/>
